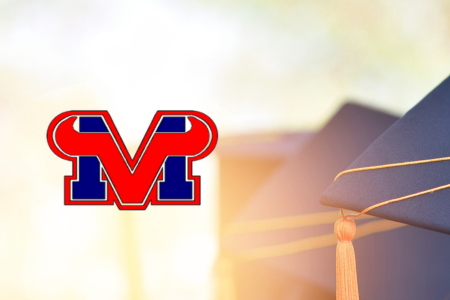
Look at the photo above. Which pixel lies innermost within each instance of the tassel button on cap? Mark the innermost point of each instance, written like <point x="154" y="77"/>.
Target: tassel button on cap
<point x="345" y="229"/>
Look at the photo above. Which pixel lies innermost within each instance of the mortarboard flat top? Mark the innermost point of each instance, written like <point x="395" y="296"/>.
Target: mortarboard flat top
<point x="423" y="133"/>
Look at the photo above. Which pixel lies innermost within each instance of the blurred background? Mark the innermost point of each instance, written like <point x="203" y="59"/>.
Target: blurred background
<point x="257" y="68"/>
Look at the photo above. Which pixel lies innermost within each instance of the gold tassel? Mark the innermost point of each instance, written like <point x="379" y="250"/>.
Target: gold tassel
<point x="346" y="280"/>
<point x="345" y="229"/>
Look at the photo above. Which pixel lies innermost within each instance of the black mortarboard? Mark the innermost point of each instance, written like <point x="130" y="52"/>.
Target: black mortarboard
<point x="416" y="261"/>
<point x="292" y="190"/>
<point x="423" y="133"/>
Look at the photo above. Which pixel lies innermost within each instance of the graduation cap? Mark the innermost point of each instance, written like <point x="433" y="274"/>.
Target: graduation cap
<point x="247" y="161"/>
<point x="289" y="195"/>
<point x="403" y="176"/>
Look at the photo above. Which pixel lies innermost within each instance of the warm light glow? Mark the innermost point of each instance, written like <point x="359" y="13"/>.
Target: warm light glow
<point x="275" y="65"/>
<point x="192" y="259"/>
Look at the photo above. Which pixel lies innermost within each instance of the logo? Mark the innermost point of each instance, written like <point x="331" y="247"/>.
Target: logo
<point x="104" y="173"/>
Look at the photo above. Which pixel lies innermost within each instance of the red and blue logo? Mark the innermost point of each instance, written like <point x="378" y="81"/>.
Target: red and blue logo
<point x="104" y="173"/>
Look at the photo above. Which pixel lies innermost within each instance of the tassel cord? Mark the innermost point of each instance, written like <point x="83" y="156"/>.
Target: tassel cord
<point x="345" y="229"/>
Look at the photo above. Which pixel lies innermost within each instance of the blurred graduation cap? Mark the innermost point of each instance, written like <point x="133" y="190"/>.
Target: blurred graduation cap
<point x="418" y="260"/>
<point x="287" y="200"/>
<point x="247" y="161"/>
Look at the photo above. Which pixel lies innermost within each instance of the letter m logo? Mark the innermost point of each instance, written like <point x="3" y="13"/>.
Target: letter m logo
<point x="104" y="172"/>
